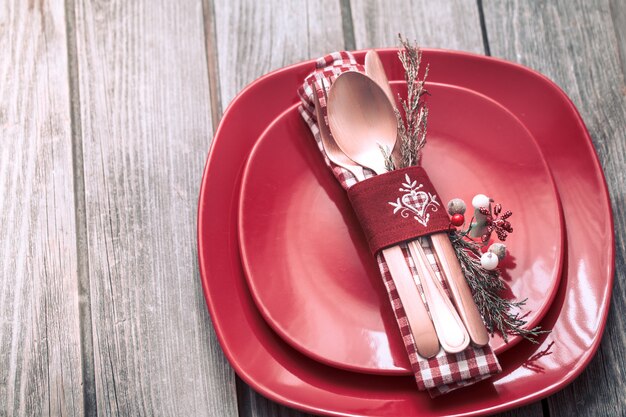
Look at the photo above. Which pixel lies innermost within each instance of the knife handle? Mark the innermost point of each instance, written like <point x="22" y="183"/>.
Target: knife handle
<point x="421" y="326"/>
<point x="461" y="293"/>
<point x="452" y="333"/>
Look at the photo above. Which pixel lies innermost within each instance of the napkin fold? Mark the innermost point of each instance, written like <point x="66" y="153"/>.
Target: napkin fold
<point x="445" y="372"/>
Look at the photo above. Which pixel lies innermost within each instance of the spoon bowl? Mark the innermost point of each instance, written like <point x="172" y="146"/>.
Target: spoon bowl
<point x="362" y="120"/>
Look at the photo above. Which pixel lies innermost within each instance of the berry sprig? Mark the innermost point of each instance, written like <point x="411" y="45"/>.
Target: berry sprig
<point x="495" y="222"/>
<point x="480" y="267"/>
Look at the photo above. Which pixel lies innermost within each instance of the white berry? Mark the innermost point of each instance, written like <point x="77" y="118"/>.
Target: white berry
<point x="480" y="200"/>
<point x="489" y="261"/>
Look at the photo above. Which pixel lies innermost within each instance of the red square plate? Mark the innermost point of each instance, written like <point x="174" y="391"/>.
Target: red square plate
<point x="578" y="313"/>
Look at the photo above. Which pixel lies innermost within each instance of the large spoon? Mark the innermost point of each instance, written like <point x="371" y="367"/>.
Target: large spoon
<point x="449" y="263"/>
<point x="422" y="329"/>
<point x="362" y="122"/>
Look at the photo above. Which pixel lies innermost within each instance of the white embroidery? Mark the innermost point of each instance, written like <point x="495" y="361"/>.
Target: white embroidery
<point x="415" y="202"/>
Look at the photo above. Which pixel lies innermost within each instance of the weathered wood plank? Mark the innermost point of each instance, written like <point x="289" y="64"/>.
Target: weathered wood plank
<point x="618" y="13"/>
<point x="145" y="118"/>
<point x="451" y="24"/>
<point x="574" y="43"/>
<point x="40" y="354"/>
<point x="254" y="38"/>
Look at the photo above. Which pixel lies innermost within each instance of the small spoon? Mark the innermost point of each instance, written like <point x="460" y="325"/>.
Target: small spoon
<point x="362" y="122"/>
<point x="422" y="329"/>
<point x="331" y="149"/>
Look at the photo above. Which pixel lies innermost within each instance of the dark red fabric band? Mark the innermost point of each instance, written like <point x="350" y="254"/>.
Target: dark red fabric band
<point x="398" y="206"/>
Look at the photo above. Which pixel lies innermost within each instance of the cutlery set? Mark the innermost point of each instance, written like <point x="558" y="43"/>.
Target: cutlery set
<point x="362" y="125"/>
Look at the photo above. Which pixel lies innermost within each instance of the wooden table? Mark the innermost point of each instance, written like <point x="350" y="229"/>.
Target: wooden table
<point x="107" y="109"/>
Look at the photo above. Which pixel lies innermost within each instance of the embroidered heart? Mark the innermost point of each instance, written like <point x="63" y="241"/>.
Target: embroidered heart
<point x="416" y="202"/>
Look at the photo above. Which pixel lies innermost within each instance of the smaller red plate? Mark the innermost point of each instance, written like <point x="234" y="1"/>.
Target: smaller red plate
<point x="308" y="266"/>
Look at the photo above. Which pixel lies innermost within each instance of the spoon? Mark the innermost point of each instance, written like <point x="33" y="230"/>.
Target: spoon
<point x="422" y="329"/>
<point x="449" y="263"/>
<point x="331" y="149"/>
<point x="362" y="122"/>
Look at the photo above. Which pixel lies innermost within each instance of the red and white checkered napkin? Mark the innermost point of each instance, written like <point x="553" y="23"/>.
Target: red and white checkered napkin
<point x="445" y="372"/>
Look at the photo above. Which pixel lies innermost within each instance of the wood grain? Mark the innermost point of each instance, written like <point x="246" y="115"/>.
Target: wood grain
<point x="574" y="43"/>
<point x="145" y="120"/>
<point x="254" y="38"/>
<point x="451" y="24"/>
<point x="40" y="355"/>
<point x="618" y="14"/>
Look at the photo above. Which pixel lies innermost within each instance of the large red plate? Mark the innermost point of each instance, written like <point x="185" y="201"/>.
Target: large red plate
<point x="578" y="313"/>
<point x="308" y="266"/>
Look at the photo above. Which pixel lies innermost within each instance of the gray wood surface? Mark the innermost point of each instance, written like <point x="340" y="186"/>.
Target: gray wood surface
<point x="575" y="43"/>
<point x="40" y="354"/>
<point x="451" y="24"/>
<point x="107" y="109"/>
<point x="144" y="117"/>
<point x="254" y="38"/>
<point x="618" y="15"/>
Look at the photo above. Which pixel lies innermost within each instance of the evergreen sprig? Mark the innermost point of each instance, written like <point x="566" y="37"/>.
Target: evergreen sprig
<point x="412" y="128"/>
<point x="498" y="313"/>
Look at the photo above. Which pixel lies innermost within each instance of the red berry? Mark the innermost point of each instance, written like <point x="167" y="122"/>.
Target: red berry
<point x="457" y="219"/>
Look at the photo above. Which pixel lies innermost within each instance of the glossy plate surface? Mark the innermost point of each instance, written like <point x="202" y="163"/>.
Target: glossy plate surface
<point x="576" y="317"/>
<point x="309" y="268"/>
